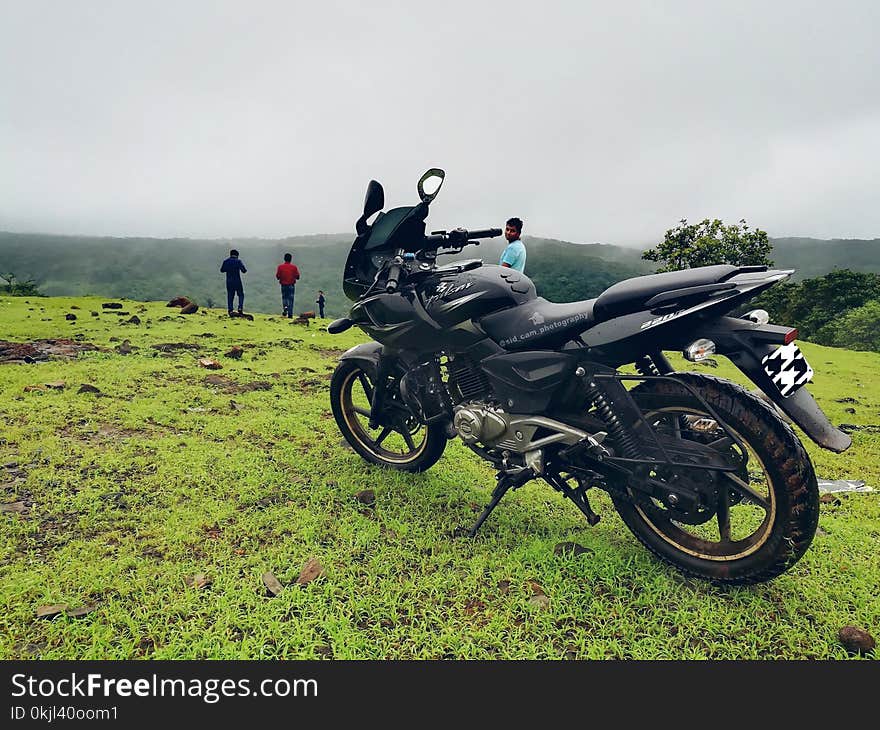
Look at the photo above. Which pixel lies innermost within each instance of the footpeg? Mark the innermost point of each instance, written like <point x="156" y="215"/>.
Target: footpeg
<point x="590" y="445"/>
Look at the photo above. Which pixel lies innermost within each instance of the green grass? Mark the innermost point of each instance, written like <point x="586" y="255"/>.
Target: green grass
<point x="159" y="478"/>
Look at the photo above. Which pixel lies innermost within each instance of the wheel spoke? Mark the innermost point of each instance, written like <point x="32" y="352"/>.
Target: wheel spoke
<point x="408" y="438"/>
<point x="746" y="491"/>
<point x="381" y="437"/>
<point x="361" y="411"/>
<point x="723" y="514"/>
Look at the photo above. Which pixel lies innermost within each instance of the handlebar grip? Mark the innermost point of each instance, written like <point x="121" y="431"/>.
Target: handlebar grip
<point x="485" y="233"/>
<point x="393" y="279"/>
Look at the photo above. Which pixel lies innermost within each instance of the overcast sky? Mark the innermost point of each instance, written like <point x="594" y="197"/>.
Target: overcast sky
<point x="594" y="122"/>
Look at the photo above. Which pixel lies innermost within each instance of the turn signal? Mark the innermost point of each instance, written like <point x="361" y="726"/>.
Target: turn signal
<point x="758" y="315"/>
<point x="699" y="350"/>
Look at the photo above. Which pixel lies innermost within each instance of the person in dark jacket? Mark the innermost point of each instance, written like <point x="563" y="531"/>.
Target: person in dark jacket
<point x="233" y="267"/>
<point x="320" y="302"/>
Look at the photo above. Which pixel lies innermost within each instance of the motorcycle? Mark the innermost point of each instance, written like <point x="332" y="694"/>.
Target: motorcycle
<point x="705" y="474"/>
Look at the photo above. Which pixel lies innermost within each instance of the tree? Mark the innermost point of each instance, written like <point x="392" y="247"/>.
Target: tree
<point x="17" y="288"/>
<point x="711" y="242"/>
<point x="859" y="328"/>
<point x="817" y="306"/>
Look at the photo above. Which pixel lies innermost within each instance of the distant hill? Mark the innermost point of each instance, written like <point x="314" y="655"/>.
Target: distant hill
<point x="163" y="268"/>
<point x="814" y="257"/>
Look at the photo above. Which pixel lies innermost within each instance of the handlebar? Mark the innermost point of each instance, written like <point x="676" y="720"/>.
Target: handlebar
<point x="484" y="233"/>
<point x="393" y="278"/>
<point x="456" y="239"/>
<point x="461" y="236"/>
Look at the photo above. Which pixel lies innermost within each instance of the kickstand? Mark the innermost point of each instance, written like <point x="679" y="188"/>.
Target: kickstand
<point x="578" y="495"/>
<point x="506" y="480"/>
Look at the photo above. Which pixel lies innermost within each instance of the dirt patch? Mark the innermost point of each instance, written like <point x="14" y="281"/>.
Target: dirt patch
<point x="175" y="346"/>
<point x="104" y="432"/>
<point x="228" y="385"/>
<point x="37" y="350"/>
<point x="327" y="352"/>
<point x="865" y="428"/>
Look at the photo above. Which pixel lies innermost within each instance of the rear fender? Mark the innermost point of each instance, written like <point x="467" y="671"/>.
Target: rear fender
<point x="746" y="343"/>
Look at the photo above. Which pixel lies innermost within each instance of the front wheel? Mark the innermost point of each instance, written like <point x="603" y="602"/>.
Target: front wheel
<point x="757" y="521"/>
<point x="400" y="441"/>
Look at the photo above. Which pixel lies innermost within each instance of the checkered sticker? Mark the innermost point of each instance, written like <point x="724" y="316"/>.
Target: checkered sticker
<point x="787" y="368"/>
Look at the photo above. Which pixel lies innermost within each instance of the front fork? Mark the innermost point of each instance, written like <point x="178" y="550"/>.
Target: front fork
<point x="384" y="370"/>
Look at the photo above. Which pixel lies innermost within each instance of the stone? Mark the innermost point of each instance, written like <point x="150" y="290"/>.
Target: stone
<point x="111" y="305"/>
<point x="88" y="388"/>
<point x="311" y="570"/>
<point x="198" y="581"/>
<point x="81" y="611"/>
<point x="18" y="507"/>
<point x="541" y="602"/>
<point x="856" y="640"/>
<point x="235" y="353"/>
<point x="51" y="611"/>
<point x="570" y="548"/>
<point x="272" y="583"/>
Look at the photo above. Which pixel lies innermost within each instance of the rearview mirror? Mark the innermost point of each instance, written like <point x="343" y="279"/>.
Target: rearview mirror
<point x="374" y="199"/>
<point x="430" y="183"/>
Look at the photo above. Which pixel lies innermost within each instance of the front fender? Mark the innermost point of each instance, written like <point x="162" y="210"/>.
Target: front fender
<point x="367" y="354"/>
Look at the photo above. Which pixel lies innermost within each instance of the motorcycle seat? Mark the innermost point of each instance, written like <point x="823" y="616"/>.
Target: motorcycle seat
<point x="538" y="323"/>
<point x="630" y="295"/>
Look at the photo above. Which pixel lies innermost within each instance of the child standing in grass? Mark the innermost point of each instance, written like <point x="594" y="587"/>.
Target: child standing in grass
<point x="320" y="302"/>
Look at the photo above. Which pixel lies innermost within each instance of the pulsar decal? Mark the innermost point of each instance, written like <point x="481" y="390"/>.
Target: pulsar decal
<point x="787" y="368"/>
<point x="445" y="289"/>
<point x="660" y="320"/>
<point x="455" y="303"/>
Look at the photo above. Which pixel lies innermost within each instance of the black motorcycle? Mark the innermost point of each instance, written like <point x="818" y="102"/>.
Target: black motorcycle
<point x="707" y="475"/>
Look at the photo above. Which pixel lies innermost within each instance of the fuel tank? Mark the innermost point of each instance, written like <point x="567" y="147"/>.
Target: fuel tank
<point x="451" y="295"/>
<point x="438" y="314"/>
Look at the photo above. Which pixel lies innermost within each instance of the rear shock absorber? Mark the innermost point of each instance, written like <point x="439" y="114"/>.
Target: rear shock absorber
<point x="645" y="365"/>
<point x="622" y="437"/>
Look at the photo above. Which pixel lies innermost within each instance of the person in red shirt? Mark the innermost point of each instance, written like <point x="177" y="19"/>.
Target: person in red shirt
<point x="287" y="274"/>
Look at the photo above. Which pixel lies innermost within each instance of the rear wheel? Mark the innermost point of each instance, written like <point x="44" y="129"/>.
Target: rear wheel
<point x="400" y="441"/>
<point x="753" y="523"/>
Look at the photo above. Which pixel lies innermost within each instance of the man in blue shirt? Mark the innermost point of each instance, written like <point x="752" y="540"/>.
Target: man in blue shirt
<point x="233" y="267"/>
<point x="514" y="256"/>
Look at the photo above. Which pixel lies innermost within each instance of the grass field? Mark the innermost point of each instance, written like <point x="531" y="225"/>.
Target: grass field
<point x="158" y="504"/>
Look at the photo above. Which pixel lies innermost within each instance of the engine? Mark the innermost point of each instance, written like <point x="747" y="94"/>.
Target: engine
<point x="477" y="422"/>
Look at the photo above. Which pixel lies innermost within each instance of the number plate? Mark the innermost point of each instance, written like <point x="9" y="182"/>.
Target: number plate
<point x="788" y="369"/>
